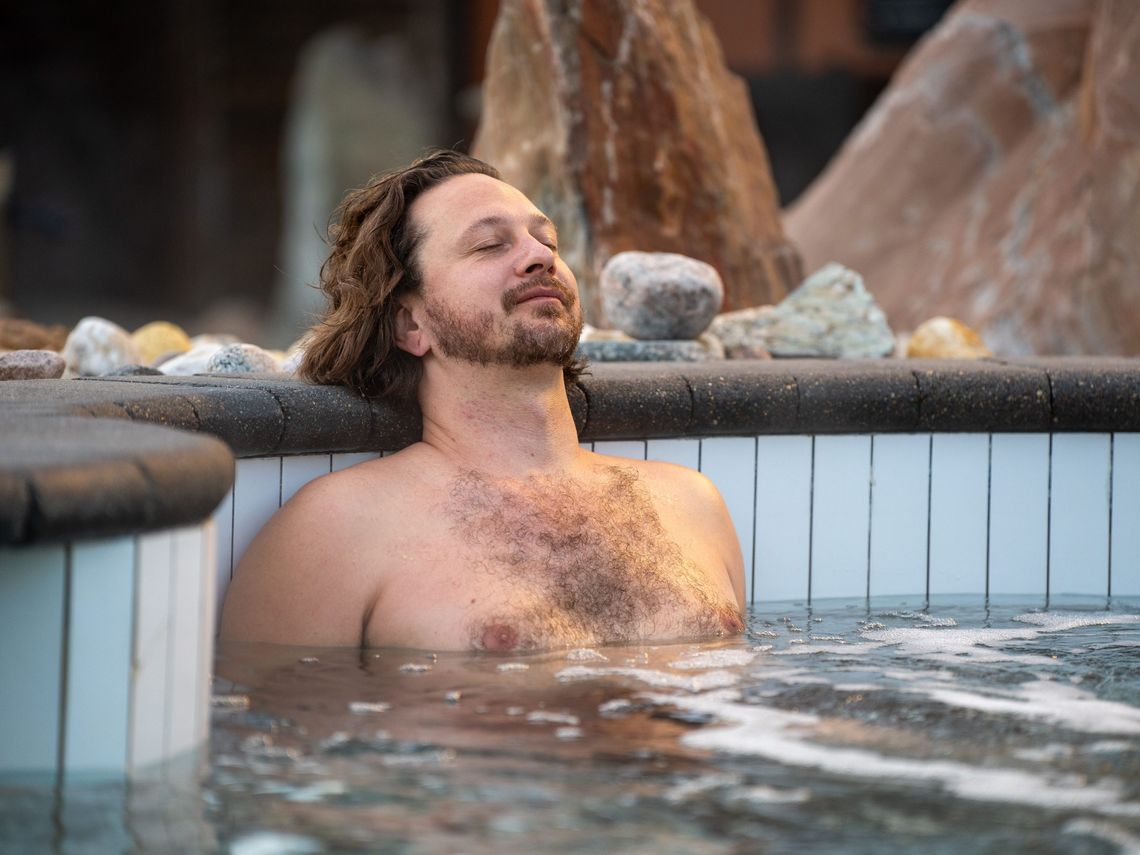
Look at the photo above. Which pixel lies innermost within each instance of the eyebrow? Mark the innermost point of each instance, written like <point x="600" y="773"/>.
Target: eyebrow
<point x="539" y="220"/>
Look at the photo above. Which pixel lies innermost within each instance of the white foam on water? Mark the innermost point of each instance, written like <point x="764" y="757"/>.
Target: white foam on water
<point x="317" y="791"/>
<point x="1050" y="751"/>
<point x="586" y="654"/>
<point x="1045" y="700"/>
<point x="568" y="733"/>
<point x="956" y="645"/>
<point x="275" y="843"/>
<point x="657" y="679"/>
<point x="782" y="736"/>
<point x="727" y="658"/>
<point x="772" y="795"/>
<point x="1060" y="621"/>
<point x="1128" y="844"/>
<point x="698" y="785"/>
<point x="506" y="667"/>
<point x="1110" y="746"/>
<point x="545" y="717"/>
<point x="855" y="649"/>
<point x="414" y="668"/>
<point x="368" y="707"/>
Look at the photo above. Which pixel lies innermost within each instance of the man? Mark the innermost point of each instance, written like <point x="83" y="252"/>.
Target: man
<point x="497" y="531"/>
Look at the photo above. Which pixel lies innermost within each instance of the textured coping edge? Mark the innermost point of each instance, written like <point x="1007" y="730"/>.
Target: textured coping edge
<point x="98" y="457"/>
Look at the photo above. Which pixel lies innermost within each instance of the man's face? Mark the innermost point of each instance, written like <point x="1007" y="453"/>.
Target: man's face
<point x="495" y="291"/>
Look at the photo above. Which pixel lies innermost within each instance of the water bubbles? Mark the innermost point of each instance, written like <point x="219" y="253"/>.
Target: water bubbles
<point x="585" y="654"/>
<point x="414" y="668"/>
<point x="725" y="658"/>
<point x="617" y="708"/>
<point x="508" y="667"/>
<point x="275" y="843"/>
<point x="230" y="702"/>
<point x="368" y="707"/>
<point x="515" y="711"/>
<point x="568" y="733"/>
<point x="545" y="717"/>
<point x="309" y="660"/>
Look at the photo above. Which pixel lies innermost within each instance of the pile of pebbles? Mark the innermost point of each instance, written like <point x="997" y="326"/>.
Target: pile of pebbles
<point x="664" y="307"/>
<point x="97" y="347"/>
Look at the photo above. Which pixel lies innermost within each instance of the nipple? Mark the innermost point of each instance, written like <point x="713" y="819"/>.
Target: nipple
<point x="500" y="636"/>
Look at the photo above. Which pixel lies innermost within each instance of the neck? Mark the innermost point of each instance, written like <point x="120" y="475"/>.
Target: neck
<point x="509" y="422"/>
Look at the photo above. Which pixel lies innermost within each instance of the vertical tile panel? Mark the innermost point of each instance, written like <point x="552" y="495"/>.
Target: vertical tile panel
<point x="683" y="452"/>
<point x="299" y="470"/>
<point x="31" y="653"/>
<point x="343" y="461"/>
<point x="783" y="517"/>
<point x="257" y="488"/>
<point x="207" y="621"/>
<point x="632" y="448"/>
<point x="900" y="489"/>
<point x="1078" y="527"/>
<point x="153" y="569"/>
<point x="730" y="463"/>
<point x="1126" y="515"/>
<point x="840" y="497"/>
<point x="959" y="491"/>
<point x="223" y="520"/>
<point x="100" y="615"/>
<point x="1019" y="510"/>
<point x="185" y="617"/>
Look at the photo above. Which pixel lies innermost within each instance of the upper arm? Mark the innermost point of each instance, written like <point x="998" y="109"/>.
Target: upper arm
<point x="299" y="583"/>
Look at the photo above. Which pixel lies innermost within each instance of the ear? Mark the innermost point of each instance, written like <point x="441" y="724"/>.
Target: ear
<point x="410" y="336"/>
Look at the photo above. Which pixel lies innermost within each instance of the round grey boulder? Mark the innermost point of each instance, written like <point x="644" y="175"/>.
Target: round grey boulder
<point x="97" y="346"/>
<point x="31" y="365"/>
<point x="241" y="359"/>
<point x="660" y="295"/>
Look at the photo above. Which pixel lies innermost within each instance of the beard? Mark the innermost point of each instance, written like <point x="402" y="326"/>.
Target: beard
<point x="484" y="339"/>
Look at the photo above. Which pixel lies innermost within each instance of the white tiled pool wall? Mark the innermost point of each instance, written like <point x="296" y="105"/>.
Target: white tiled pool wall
<point x="865" y="515"/>
<point x="106" y="649"/>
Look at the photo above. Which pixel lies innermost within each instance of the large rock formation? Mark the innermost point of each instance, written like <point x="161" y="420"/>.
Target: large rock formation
<point x="621" y="121"/>
<point x="998" y="180"/>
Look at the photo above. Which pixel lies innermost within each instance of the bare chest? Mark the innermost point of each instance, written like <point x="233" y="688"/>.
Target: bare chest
<point x="541" y="563"/>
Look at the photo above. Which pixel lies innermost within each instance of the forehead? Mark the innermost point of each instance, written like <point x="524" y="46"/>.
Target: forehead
<point x="448" y="208"/>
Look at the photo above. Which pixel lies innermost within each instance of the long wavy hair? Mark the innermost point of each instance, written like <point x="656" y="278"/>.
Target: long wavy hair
<point x="372" y="262"/>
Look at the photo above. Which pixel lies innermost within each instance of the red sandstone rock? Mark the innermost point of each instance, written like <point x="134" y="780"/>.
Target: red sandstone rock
<point x="621" y="121"/>
<point x="998" y="180"/>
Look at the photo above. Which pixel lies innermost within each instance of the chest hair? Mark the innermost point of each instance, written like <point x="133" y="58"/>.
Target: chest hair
<point x="594" y="556"/>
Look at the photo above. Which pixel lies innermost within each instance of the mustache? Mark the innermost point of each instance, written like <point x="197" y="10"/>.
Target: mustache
<point x="511" y="298"/>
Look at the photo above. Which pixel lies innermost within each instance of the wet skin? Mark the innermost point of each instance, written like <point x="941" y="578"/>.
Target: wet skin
<point x="496" y="531"/>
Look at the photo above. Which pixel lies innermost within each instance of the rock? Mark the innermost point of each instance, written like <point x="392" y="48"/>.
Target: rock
<point x="630" y="133"/>
<point x="160" y="339"/>
<point x="997" y="180"/>
<point x="829" y="315"/>
<point x="945" y="338"/>
<point x="241" y="359"/>
<point x="193" y="361"/>
<point x="292" y="361"/>
<point x="17" y="334"/>
<point x="590" y="333"/>
<point x="739" y="332"/>
<point x="660" y="295"/>
<point x="668" y="350"/>
<point x="31" y="365"/>
<point x="97" y="346"/>
<point x="135" y="371"/>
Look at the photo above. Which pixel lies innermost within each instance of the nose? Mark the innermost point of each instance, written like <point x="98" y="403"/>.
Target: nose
<point x="535" y="257"/>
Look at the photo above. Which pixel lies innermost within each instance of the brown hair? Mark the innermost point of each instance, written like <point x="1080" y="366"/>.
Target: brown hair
<point x="372" y="262"/>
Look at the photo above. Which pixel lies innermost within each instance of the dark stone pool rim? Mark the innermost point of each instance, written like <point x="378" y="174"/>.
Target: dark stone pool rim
<point x="98" y="457"/>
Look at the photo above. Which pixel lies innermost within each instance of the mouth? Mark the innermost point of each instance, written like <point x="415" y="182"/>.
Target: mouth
<point x="543" y="291"/>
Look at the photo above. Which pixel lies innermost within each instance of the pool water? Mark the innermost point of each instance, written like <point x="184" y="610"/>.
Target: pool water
<point x="841" y="727"/>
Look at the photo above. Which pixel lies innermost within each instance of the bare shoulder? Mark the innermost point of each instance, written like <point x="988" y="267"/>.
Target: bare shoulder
<point x="310" y="576"/>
